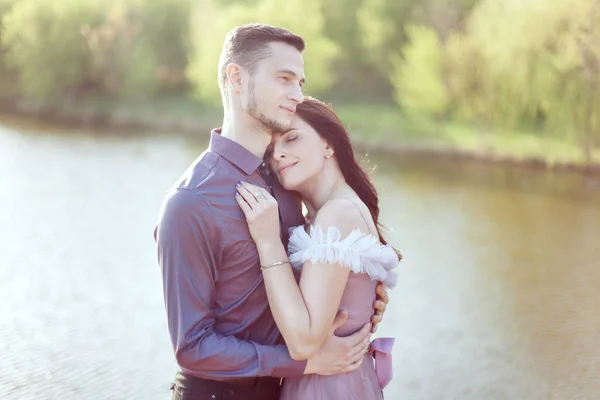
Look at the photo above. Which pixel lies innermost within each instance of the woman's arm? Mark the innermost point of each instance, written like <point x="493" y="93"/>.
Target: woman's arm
<point x="304" y="313"/>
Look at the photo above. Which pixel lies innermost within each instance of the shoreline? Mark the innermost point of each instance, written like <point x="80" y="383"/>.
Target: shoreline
<point x="92" y="118"/>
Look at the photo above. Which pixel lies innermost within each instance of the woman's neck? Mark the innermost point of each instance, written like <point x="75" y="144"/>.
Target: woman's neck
<point x="323" y="188"/>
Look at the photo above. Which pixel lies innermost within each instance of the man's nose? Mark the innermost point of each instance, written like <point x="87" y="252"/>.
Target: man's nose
<point x="297" y="95"/>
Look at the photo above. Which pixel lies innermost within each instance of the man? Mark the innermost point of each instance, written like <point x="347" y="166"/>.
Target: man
<point x="224" y="337"/>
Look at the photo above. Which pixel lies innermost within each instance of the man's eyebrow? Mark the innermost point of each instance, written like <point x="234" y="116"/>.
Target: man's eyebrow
<point x="294" y="74"/>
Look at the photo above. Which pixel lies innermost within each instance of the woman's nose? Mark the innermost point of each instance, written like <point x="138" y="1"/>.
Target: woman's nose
<point x="278" y="152"/>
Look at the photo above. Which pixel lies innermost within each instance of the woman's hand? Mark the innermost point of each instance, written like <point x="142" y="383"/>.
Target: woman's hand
<point x="261" y="211"/>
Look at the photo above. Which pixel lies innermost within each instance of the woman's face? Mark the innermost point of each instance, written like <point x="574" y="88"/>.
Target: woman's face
<point x="298" y="155"/>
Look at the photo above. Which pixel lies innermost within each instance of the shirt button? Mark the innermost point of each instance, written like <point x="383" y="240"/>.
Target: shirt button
<point x="231" y="392"/>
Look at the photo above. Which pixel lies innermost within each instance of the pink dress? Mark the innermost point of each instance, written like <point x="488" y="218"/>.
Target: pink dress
<point x="369" y="261"/>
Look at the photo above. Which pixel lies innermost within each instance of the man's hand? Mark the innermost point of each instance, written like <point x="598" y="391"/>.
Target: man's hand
<point x="340" y="354"/>
<point x="379" y="305"/>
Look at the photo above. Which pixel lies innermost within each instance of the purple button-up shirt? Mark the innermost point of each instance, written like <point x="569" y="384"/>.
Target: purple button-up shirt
<point x="218" y="315"/>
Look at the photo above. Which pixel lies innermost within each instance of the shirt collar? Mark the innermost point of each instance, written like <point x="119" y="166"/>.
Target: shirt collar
<point x="233" y="152"/>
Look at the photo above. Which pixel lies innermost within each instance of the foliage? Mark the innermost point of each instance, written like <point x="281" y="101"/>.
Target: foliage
<point x="299" y="16"/>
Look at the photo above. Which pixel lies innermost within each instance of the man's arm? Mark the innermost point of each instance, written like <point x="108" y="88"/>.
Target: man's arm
<point x="189" y="242"/>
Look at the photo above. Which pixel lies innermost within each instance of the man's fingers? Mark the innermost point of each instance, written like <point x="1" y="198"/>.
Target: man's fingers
<point x="379" y="307"/>
<point x="365" y="344"/>
<point x="360" y="349"/>
<point x="374" y="329"/>
<point x="357" y="339"/>
<point x="340" y="319"/>
<point x="355" y="365"/>
<point x="382" y="293"/>
<point x="358" y="359"/>
<point x="375" y="320"/>
<point x="364" y="331"/>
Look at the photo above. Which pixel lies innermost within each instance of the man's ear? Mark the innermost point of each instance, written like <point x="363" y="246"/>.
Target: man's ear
<point x="234" y="77"/>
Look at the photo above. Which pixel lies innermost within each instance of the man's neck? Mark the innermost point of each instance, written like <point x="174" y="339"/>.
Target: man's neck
<point x="246" y="132"/>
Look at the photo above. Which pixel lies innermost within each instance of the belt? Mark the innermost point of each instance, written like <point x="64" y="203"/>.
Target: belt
<point x="254" y="381"/>
<point x="188" y="380"/>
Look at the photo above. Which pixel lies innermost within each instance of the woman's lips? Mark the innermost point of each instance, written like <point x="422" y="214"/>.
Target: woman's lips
<point x="286" y="167"/>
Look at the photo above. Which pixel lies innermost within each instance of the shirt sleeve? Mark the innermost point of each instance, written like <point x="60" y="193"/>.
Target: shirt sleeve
<point x="190" y="242"/>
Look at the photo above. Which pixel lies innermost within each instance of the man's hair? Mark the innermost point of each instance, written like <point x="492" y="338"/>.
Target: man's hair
<point x="247" y="44"/>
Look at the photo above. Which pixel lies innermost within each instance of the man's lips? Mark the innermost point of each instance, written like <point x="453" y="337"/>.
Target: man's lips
<point x="286" y="167"/>
<point x="291" y="110"/>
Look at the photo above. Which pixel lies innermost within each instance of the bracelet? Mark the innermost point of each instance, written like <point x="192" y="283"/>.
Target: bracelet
<point x="276" y="263"/>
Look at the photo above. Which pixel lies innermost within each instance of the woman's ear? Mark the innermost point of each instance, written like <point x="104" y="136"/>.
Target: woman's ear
<point x="328" y="150"/>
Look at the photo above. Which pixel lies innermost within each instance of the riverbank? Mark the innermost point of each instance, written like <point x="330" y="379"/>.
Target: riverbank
<point x="374" y="128"/>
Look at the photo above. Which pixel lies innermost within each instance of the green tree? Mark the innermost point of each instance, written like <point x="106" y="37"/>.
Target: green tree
<point x="7" y="78"/>
<point x="547" y="63"/>
<point x="140" y="47"/>
<point x="121" y="48"/>
<point x="417" y="78"/>
<point x="301" y="17"/>
<point x="116" y="53"/>
<point x="356" y="75"/>
<point x="381" y="25"/>
<point x="571" y="99"/>
<point x="166" y="31"/>
<point x="44" y="43"/>
<point x="385" y="25"/>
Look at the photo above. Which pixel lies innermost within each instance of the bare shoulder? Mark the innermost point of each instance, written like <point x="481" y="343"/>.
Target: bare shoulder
<point x="342" y="214"/>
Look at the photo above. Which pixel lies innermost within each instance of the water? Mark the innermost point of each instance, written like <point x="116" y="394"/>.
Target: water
<point x="498" y="296"/>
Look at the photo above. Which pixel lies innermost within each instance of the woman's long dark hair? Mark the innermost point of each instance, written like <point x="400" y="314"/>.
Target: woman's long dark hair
<point x="323" y="119"/>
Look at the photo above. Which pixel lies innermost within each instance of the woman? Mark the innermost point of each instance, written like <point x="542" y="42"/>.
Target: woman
<point x="341" y="252"/>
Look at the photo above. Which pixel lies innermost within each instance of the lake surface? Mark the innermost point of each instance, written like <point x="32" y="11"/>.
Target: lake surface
<point x="499" y="293"/>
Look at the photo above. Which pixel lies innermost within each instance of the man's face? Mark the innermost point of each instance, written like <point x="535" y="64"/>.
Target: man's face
<point x="273" y="91"/>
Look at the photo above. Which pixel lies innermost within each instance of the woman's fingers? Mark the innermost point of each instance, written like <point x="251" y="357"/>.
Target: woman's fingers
<point x="256" y="202"/>
<point x="258" y="192"/>
<point x="244" y="191"/>
<point x="243" y="205"/>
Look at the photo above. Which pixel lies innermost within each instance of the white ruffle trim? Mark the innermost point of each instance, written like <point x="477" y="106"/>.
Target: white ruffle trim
<point x="362" y="253"/>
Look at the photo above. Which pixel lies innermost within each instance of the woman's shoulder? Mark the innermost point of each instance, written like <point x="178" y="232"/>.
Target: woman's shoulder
<point x="339" y="235"/>
<point x="343" y="214"/>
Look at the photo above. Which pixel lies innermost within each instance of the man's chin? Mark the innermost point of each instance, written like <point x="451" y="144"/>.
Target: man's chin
<point x="279" y="126"/>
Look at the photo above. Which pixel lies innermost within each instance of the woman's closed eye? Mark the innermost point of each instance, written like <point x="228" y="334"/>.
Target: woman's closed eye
<point x="291" y="138"/>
